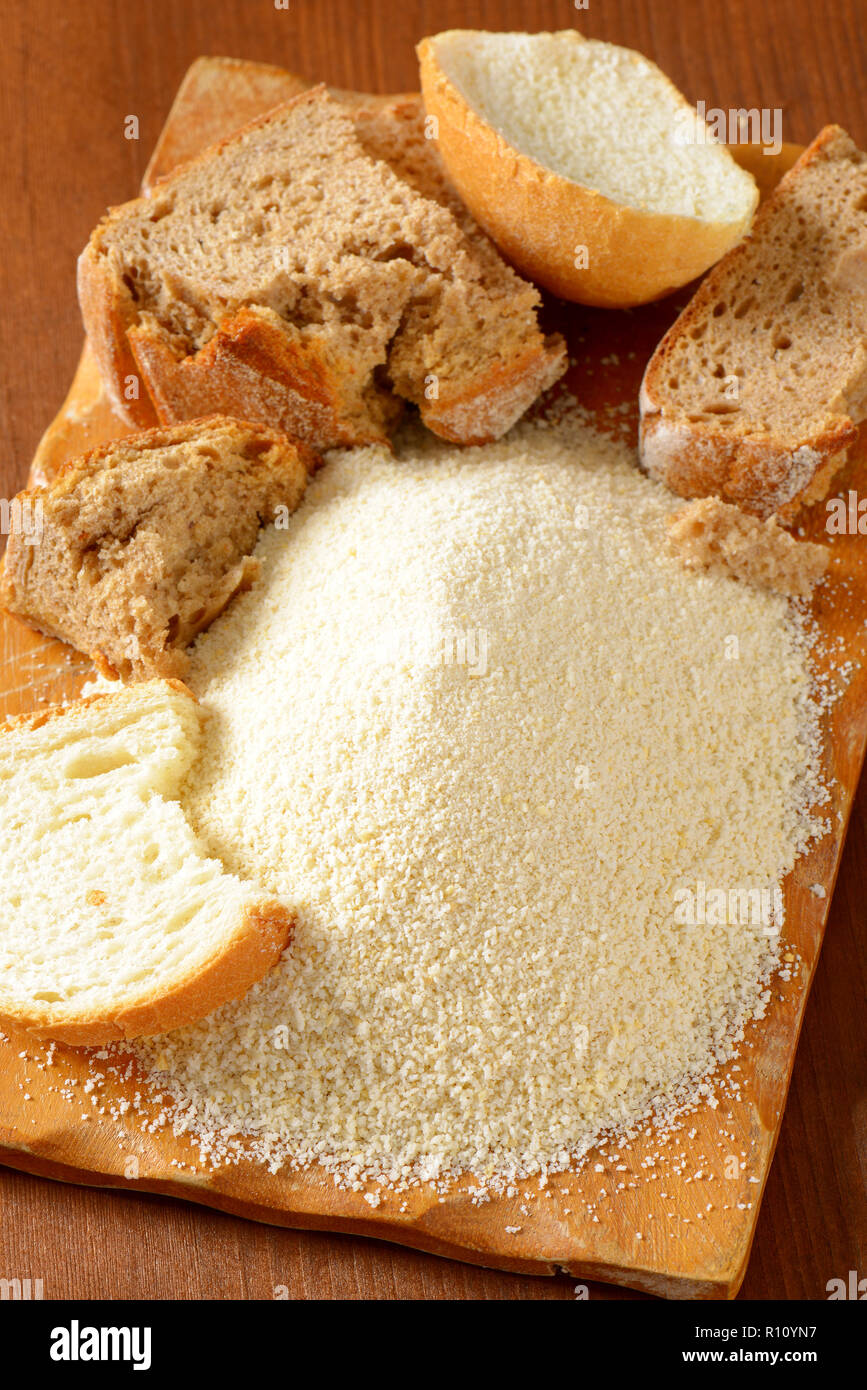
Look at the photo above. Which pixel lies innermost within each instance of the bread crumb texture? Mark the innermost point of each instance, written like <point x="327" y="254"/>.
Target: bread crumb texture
<point x="560" y="99"/>
<point x="480" y="727"/>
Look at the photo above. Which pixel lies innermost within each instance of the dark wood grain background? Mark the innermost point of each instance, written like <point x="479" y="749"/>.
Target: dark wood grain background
<point x="70" y="73"/>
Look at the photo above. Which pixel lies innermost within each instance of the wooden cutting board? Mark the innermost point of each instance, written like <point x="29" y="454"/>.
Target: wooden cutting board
<point x="680" y="1224"/>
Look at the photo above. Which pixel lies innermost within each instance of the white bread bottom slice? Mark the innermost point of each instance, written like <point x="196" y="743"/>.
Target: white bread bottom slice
<point x="116" y="923"/>
<point x="755" y="392"/>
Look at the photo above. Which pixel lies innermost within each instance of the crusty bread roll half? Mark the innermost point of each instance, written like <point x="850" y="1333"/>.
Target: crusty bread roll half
<point x="756" y="392"/>
<point x="585" y="165"/>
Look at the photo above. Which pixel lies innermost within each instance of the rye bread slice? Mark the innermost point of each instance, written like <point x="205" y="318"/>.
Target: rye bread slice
<point x="287" y="275"/>
<point x="755" y="392"/>
<point x="137" y="546"/>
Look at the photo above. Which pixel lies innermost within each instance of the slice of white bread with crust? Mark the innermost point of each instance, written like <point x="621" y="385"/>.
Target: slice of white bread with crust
<point x="116" y="922"/>
<point x="754" y="393"/>
<point x="583" y="162"/>
<point x="286" y="276"/>
<point x="139" y="544"/>
<point x="711" y="535"/>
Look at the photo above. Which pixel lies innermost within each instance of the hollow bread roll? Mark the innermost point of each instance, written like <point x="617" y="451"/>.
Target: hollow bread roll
<point x="584" y="164"/>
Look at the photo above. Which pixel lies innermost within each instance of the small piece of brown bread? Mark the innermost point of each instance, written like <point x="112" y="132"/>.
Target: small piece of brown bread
<point x="755" y="391"/>
<point x="137" y="546"/>
<point x="288" y="276"/>
<point x="712" y="535"/>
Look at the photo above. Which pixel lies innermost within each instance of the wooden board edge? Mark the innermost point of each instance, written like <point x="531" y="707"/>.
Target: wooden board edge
<point x="34" y="1164"/>
<point x="665" y="1286"/>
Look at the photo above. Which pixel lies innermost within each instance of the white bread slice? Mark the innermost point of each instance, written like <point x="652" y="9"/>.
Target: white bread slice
<point x="115" y="922"/>
<point x="711" y="535"/>
<point x="583" y="162"/>
<point x="286" y="276"/>
<point x="145" y="540"/>
<point x="755" y="391"/>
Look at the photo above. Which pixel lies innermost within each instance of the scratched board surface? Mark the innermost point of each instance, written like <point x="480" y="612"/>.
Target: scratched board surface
<point x="695" y="1241"/>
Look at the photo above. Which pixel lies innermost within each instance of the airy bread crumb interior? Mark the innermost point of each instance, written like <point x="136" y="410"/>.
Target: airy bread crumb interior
<point x="109" y="899"/>
<point x="601" y="115"/>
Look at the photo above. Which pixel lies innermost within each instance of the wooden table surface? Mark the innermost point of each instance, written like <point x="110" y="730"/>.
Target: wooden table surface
<point x="70" y="75"/>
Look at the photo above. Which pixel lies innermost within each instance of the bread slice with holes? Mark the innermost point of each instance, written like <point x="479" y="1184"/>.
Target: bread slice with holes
<point x="755" y="392"/>
<point x="288" y="276"/>
<point x="137" y="546"/>
<point x="116" y="922"/>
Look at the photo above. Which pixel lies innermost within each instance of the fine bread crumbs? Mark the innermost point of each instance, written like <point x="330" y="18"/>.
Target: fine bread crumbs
<point x="484" y="731"/>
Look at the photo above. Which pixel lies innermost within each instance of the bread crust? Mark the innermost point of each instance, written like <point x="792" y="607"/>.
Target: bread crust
<point x="484" y="413"/>
<point x="760" y="472"/>
<point x="108" y="311"/>
<point x="17" y="593"/>
<point x="253" y="367"/>
<point x="260" y="938"/>
<point x="258" y="365"/>
<point x="262" y="933"/>
<point x="539" y="219"/>
<point x="38" y="718"/>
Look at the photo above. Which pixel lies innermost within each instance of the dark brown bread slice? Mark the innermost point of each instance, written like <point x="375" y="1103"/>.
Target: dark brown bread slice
<point x="755" y="392"/>
<point x="137" y="546"/>
<point x="286" y="275"/>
